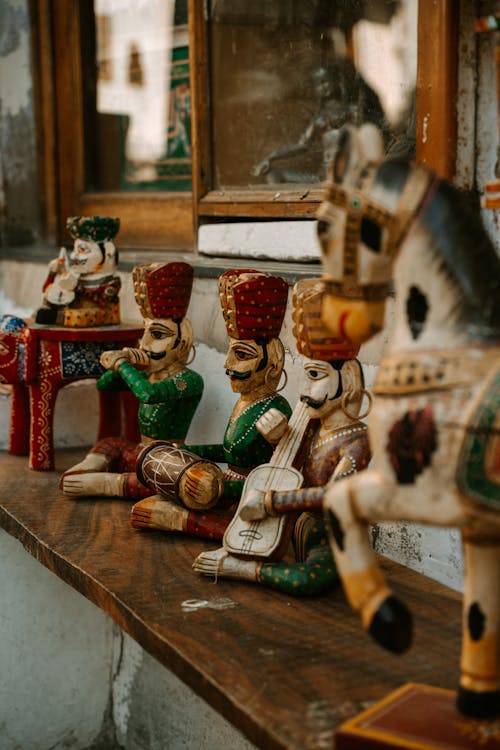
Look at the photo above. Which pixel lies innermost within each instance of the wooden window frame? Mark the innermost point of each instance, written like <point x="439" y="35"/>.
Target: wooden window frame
<point x="436" y="118"/>
<point x="169" y="220"/>
<point x="149" y="219"/>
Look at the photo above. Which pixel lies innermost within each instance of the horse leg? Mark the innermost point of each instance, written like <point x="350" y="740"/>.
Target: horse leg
<point x="479" y="691"/>
<point x="385" y="617"/>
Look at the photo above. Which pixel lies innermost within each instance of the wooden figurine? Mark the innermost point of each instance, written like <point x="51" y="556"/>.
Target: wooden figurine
<point x="434" y="428"/>
<point x="253" y="304"/>
<point x="333" y="445"/>
<point x="81" y="289"/>
<point x="156" y="373"/>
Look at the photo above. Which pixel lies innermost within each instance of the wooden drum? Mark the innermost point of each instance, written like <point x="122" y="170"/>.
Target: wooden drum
<point x="179" y="475"/>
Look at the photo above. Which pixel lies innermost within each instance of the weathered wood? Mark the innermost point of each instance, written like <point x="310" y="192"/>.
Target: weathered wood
<point x="436" y="93"/>
<point x="285" y="672"/>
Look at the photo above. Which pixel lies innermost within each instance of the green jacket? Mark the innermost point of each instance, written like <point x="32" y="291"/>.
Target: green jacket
<point x="166" y="407"/>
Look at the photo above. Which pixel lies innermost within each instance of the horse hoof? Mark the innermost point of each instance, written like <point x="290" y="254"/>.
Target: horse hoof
<point x="392" y="625"/>
<point x="478" y="705"/>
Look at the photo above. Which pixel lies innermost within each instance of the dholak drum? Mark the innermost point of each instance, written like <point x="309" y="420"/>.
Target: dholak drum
<point x="179" y="475"/>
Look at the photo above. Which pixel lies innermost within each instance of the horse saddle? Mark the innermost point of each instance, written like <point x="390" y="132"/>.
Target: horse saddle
<point x="478" y="474"/>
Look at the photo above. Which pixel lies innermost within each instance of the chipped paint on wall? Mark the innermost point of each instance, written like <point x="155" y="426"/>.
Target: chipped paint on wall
<point x="18" y="174"/>
<point x="15" y="81"/>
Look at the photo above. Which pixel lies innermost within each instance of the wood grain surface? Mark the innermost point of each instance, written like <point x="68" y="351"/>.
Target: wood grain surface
<point x="286" y="672"/>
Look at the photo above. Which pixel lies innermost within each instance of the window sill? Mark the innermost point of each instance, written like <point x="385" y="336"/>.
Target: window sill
<point x="286" y="672"/>
<point x="204" y="266"/>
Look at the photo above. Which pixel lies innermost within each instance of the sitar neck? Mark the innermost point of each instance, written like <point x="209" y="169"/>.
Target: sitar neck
<point x="286" y="450"/>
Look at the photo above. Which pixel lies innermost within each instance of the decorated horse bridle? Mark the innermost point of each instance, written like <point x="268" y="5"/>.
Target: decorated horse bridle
<point x="417" y="191"/>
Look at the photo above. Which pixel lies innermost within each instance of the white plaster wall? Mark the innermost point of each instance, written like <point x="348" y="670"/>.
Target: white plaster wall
<point x="55" y="658"/>
<point x="157" y="711"/>
<point x="72" y="680"/>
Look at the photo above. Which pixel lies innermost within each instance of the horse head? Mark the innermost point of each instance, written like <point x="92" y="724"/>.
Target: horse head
<point x="374" y="213"/>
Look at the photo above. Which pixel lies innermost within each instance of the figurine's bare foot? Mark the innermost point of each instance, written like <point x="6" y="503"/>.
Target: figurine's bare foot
<point x="91" y="462"/>
<point x="157" y="513"/>
<point x="220" y="563"/>
<point x="92" y="484"/>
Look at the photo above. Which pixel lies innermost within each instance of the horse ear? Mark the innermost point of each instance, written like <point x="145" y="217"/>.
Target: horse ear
<point x="351" y="150"/>
<point x="371" y="143"/>
<point x="340" y="155"/>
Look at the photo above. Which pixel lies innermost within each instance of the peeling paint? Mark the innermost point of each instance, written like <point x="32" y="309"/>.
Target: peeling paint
<point x="425" y="126"/>
<point x="15" y="80"/>
<point x="18" y="170"/>
<point x="13" y="19"/>
<point x="128" y="658"/>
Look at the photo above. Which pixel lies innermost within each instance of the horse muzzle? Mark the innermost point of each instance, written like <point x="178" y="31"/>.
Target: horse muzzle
<point x="354" y="321"/>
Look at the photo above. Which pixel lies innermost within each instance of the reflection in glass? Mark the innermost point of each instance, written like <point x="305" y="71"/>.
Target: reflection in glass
<point x="287" y="75"/>
<point x="142" y="117"/>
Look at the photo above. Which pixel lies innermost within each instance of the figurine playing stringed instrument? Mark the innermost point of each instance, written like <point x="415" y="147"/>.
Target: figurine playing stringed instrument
<point x="253" y="305"/>
<point x="81" y="289"/>
<point x="334" y="445"/>
<point x="157" y="373"/>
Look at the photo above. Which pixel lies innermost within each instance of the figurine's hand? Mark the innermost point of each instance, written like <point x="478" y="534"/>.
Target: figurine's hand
<point x="137" y="357"/>
<point x="112" y="359"/>
<point x="59" y="264"/>
<point x="272" y="425"/>
<point x="253" y="508"/>
<point x="262" y="168"/>
<point x="56" y="266"/>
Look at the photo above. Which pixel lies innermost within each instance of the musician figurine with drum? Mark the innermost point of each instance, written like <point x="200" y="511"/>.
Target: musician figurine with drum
<point x="253" y="305"/>
<point x="157" y="373"/>
<point x="329" y="440"/>
<point x="81" y="289"/>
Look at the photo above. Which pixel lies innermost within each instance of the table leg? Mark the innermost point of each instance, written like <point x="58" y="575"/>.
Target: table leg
<point x="19" y="421"/>
<point x="42" y="402"/>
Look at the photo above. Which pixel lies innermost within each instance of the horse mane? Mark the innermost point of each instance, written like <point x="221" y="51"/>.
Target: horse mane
<point x="461" y="243"/>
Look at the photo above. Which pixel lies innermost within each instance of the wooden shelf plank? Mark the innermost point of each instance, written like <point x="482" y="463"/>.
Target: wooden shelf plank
<point x="284" y="671"/>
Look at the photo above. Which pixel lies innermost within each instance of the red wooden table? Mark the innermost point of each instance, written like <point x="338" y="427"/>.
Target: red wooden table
<point x="38" y="360"/>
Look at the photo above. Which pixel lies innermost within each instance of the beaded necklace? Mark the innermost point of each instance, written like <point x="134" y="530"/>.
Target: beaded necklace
<point x="265" y="400"/>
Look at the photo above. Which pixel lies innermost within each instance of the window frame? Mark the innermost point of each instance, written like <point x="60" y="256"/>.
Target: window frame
<point x="436" y="118"/>
<point x="169" y="220"/>
<point x="150" y="220"/>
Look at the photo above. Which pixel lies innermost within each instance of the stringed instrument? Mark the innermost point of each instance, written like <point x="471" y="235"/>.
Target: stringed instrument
<point x="268" y="538"/>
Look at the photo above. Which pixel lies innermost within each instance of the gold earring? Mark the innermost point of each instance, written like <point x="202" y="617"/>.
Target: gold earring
<point x="268" y="373"/>
<point x="189" y="361"/>
<point x="284" y="372"/>
<point x="351" y="394"/>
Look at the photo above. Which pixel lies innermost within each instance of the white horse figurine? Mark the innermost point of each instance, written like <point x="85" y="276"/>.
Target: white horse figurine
<point x="435" y="425"/>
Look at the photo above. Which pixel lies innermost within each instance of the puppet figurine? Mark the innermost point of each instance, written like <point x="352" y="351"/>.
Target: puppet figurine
<point x="156" y="372"/>
<point x="253" y="304"/>
<point x="335" y="446"/>
<point x="436" y="417"/>
<point x="81" y="289"/>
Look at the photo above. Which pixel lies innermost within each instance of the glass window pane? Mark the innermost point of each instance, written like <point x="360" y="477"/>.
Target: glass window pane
<point x="138" y="128"/>
<point x="287" y="74"/>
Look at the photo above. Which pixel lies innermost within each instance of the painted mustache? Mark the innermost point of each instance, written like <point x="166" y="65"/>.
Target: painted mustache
<point x="156" y="355"/>
<point x="312" y="402"/>
<point x="238" y="375"/>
